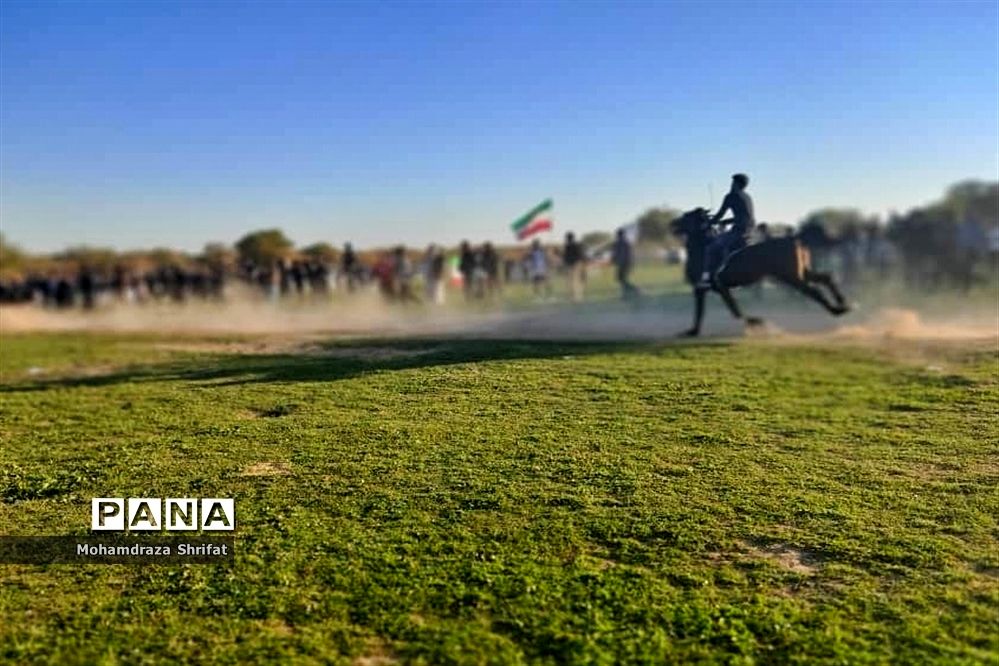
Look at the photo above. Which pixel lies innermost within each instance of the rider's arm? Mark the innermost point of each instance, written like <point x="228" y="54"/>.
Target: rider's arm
<point x="721" y="211"/>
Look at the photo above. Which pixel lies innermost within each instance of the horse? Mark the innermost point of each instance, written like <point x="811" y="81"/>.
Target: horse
<point x="786" y="260"/>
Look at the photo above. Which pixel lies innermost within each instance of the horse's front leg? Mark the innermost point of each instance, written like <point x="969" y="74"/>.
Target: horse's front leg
<point x="693" y="332"/>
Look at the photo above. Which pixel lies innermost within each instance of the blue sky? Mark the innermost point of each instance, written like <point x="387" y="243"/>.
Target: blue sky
<point x="136" y="124"/>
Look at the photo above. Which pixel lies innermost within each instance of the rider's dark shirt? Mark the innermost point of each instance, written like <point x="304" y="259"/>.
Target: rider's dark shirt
<point x="741" y="206"/>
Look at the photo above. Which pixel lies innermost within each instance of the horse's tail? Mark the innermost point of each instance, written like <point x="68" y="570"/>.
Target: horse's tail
<point x="803" y="258"/>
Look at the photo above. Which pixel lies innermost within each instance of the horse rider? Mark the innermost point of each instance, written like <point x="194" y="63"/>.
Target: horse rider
<point x="737" y="236"/>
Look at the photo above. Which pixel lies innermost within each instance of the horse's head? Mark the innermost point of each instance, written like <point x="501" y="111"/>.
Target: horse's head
<point x="693" y="224"/>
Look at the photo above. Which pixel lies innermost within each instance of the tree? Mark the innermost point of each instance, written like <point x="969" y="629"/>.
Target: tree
<point x="596" y="239"/>
<point x="264" y="247"/>
<point x="322" y="252"/>
<point x="934" y="241"/>
<point x="654" y="225"/>
<point x="835" y="222"/>
<point x="100" y="259"/>
<point x="217" y="255"/>
<point x="164" y="256"/>
<point x="973" y="200"/>
<point x="12" y="259"/>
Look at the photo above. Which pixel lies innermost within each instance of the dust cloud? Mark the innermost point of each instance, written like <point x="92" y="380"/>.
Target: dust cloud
<point x="367" y="314"/>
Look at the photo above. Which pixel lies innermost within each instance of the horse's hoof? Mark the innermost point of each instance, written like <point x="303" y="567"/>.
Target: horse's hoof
<point x="689" y="333"/>
<point x="754" y="321"/>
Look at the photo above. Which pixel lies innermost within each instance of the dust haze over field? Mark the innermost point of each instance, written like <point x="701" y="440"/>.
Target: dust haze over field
<point x="366" y="314"/>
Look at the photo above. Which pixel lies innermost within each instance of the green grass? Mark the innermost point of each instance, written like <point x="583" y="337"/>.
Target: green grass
<point x="508" y="502"/>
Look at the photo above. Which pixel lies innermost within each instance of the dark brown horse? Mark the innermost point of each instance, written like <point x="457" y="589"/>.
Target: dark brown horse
<point x="783" y="259"/>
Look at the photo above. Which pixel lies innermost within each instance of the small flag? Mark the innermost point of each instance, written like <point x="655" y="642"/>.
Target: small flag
<point x="538" y="219"/>
<point x="454" y="268"/>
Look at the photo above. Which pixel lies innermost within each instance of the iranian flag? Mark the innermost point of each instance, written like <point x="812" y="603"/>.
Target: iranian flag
<point x="538" y="219"/>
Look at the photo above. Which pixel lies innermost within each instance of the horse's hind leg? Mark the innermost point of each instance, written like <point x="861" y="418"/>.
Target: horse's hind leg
<point x="817" y="296"/>
<point x="734" y="308"/>
<point x="825" y="279"/>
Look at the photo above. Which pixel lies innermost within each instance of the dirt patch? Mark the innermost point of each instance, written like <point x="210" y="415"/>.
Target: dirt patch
<point x="296" y="346"/>
<point x="277" y="627"/>
<point x="786" y="556"/>
<point x="366" y="353"/>
<point x="375" y="660"/>
<point x="932" y="471"/>
<point x="377" y="654"/>
<point x="267" y="469"/>
<point x="718" y="557"/>
<point x="254" y="347"/>
<point x="598" y="562"/>
<point x="93" y="370"/>
<point x="985" y="570"/>
<point x="75" y="371"/>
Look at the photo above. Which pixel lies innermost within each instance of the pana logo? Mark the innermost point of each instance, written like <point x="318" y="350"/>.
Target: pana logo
<point x="152" y="514"/>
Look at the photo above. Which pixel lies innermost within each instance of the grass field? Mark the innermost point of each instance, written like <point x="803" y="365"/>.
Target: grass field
<point x="505" y="501"/>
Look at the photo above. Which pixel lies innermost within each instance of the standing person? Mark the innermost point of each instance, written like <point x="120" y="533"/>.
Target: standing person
<point x="216" y="280"/>
<point x="479" y="275"/>
<point x="297" y="273"/>
<point x="317" y="273"/>
<point x="63" y="293"/>
<point x="992" y="247"/>
<point x="348" y="266"/>
<point x="466" y="266"/>
<point x="574" y="259"/>
<point x="87" y="286"/>
<point x="763" y="232"/>
<point x="971" y="243"/>
<point x="537" y="270"/>
<point x="177" y="282"/>
<point x="433" y="275"/>
<point x="284" y="273"/>
<point x="402" y="276"/>
<point x="384" y="273"/>
<point x="743" y="220"/>
<point x="490" y="267"/>
<point x="274" y="282"/>
<point x="623" y="259"/>
<point x="119" y="282"/>
<point x="849" y="250"/>
<point x="509" y="266"/>
<point x="136" y="288"/>
<point x="42" y="288"/>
